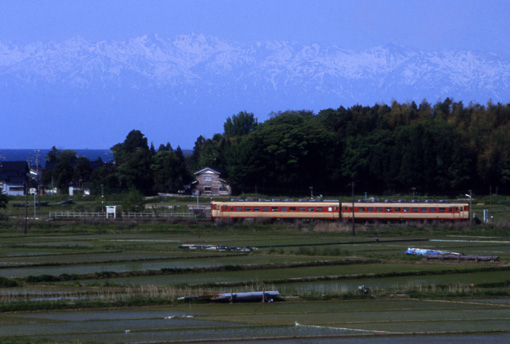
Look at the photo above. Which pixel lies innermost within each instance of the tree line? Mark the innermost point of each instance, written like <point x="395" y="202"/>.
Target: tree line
<point x="136" y="166"/>
<point x="441" y="148"/>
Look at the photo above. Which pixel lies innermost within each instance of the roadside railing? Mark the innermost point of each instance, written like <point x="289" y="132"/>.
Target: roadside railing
<point x="125" y="215"/>
<point x="75" y="214"/>
<point x="134" y="215"/>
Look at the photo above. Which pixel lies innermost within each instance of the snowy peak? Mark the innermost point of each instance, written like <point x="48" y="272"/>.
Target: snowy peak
<point x="274" y="66"/>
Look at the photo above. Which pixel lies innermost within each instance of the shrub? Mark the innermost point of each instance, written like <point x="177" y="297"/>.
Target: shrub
<point x="8" y="283"/>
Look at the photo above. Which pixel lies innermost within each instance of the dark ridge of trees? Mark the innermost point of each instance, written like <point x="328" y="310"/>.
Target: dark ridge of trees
<point x="445" y="148"/>
<point x="65" y="168"/>
<point x="239" y="125"/>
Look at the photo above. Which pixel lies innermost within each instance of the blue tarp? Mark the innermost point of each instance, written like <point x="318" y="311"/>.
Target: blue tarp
<point x="424" y="251"/>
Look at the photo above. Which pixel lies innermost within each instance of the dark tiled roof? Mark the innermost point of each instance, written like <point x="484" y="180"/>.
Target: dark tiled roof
<point x="13" y="172"/>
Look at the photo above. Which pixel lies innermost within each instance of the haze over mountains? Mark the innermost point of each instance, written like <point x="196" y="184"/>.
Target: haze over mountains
<point x="190" y="84"/>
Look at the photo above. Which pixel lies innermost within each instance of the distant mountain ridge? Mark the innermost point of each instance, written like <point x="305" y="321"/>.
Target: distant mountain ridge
<point x="190" y="84"/>
<point x="30" y="155"/>
<point x="282" y="67"/>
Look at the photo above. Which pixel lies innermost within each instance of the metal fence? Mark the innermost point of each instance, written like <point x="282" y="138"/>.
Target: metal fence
<point x="125" y="215"/>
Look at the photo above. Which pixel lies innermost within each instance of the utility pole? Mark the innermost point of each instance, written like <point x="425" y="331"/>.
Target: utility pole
<point x="102" y="199"/>
<point x="35" y="204"/>
<point x="490" y="205"/>
<point x="470" y="195"/>
<point x="26" y="204"/>
<point x="353" y="225"/>
<point x="37" y="155"/>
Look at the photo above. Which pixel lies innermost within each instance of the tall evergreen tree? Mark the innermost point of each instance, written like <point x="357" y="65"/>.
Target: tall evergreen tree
<point x="133" y="161"/>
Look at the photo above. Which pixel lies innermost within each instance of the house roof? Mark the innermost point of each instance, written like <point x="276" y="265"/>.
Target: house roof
<point x="13" y="172"/>
<point x="207" y="170"/>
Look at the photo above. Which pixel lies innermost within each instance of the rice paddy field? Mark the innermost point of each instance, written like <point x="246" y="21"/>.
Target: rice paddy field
<point x="119" y="282"/>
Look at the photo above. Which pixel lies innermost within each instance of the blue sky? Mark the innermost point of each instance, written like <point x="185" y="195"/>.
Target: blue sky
<point x="425" y="24"/>
<point x="430" y="25"/>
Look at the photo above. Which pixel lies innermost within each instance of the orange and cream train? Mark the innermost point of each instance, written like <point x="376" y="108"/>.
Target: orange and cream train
<point x="428" y="211"/>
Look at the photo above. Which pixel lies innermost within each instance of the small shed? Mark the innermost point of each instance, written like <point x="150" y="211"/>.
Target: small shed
<point x="209" y="182"/>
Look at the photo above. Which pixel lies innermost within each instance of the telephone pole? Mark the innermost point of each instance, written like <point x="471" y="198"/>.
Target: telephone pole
<point x="352" y="194"/>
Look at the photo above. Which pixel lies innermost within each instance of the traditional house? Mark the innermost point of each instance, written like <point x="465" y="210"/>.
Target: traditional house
<point x="209" y="183"/>
<point x="13" y="175"/>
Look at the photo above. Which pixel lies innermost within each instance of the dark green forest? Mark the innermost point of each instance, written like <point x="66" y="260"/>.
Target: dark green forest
<point x="444" y="148"/>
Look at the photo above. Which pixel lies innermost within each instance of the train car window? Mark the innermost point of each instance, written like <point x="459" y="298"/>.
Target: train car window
<point x="284" y="209"/>
<point x="320" y="209"/>
<point x="433" y="210"/>
<point x="442" y="210"/>
<point x="274" y="208"/>
<point x="424" y="210"/>
<point x="292" y="208"/>
<point x="388" y="210"/>
<point x="370" y="209"/>
<point x="379" y="210"/>
<point x="310" y="208"/>
<point x="301" y="209"/>
<point x="256" y="208"/>
<point x="231" y="208"/>
<point x="415" y="210"/>
<point x="265" y="208"/>
<point x="361" y="209"/>
<point x="396" y="210"/>
<point x="247" y="208"/>
<point x="239" y="208"/>
<point x="406" y="210"/>
<point x="345" y="208"/>
<point x="456" y="209"/>
<point x="224" y="207"/>
<point x="335" y="208"/>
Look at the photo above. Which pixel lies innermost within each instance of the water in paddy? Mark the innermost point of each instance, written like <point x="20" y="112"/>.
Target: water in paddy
<point x="450" y="339"/>
<point x="142" y="326"/>
<point x="352" y="321"/>
<point x="351" y="285"/>
<point x="159" y="325"/>
<point x="141" y="265"/>
<point x="116" y="267"/>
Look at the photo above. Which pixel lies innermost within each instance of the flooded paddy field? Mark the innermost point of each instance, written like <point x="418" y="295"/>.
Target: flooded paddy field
<point x="141" y="262"/>
<point x="370" y="274"/>
<point x="394" y="284"/>
<point x="278" y="321"/>
<point x="122" y="286"/>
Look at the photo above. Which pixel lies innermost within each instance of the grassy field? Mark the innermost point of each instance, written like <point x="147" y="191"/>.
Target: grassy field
<point x="118" y="281"/>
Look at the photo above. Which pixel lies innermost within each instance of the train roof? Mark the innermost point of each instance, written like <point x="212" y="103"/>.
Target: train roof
<point x="385" y="203"/>
<point x="428" y="203"/>
<point x="278" y="201"/>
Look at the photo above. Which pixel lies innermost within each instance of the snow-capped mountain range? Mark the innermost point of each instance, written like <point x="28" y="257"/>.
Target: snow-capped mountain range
<point x="191" y="74"/>
<point x="279" y="67"/>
